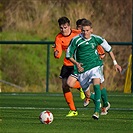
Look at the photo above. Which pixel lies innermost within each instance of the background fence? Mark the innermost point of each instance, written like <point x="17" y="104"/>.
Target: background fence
<point x="48" y="45"/>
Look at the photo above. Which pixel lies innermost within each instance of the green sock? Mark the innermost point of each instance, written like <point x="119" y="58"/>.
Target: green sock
<point x="92" y="96"/>
<point x="104" y="97"/>
<point x="97" y="97"/>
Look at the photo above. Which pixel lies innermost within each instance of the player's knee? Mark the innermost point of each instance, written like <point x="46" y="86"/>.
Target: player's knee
<point x="69" y="83"/>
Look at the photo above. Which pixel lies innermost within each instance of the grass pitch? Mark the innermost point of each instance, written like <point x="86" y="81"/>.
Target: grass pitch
<point x="19" y="113"/>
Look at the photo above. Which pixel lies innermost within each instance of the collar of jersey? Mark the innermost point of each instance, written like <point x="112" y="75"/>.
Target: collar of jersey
<point x="85" y="38"/>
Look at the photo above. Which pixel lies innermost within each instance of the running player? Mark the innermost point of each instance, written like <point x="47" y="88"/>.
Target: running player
<point x="62" y="41"/>
<point x="71" y="81"/>
<point x="89" y="68"/>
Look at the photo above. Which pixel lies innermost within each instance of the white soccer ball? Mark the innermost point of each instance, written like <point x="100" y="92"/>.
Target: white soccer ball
<point x="46" y="117"/>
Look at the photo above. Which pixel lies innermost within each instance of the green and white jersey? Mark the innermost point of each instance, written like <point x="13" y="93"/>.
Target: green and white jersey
<point x="85" y="51"/>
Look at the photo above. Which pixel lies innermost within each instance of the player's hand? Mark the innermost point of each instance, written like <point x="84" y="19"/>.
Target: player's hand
<point x="53" y="46"/>
<point x="56" y="53"/>
<point x="118" y="68"/>
<point x="80" y="68"/>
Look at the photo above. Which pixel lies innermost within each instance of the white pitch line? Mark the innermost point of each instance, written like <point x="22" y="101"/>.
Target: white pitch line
<point x="54" y="94"/>
<point x="33" y="108"/>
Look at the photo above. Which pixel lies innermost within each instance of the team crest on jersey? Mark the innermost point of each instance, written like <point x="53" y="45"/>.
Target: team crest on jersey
<point x="93" y="45"/>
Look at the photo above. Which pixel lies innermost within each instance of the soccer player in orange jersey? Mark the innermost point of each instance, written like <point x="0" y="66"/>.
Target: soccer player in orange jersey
<point x="62" y="41"/>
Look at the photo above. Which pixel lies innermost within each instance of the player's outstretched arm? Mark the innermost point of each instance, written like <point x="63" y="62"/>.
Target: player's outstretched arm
<point x="117" y="67"/>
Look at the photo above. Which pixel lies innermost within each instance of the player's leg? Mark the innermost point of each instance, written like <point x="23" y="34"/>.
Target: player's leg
<point x="106" y="104"/>
<point x="74" y="83"/>
<point x="104" y="95"/>
<point x="88" y="78"/>
<point x="97" y="97"/>
<point x="68" y="95"/>
<point x="65" y="72"/>
<point x="69" y="98"/>
<point x="88" y="96"/>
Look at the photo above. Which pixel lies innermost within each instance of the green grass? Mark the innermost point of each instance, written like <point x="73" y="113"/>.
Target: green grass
<point x="16" y="35"/>
<point x="20" y="112"/>
<point x="31" y="60"/>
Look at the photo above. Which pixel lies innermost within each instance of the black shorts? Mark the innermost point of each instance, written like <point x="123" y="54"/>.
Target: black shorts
<point x="66" y="71"/>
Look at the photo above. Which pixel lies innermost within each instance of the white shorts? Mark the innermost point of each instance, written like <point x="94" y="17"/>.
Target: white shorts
<point x="86" y="78"/>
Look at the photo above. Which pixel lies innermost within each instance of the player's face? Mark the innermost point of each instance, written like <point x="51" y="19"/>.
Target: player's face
<point x="86" y="31"/>
<point x="65" y="29"/>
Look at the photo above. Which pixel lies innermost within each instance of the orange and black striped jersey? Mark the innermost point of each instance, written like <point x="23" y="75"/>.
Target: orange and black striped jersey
<point x="62" y="43"/>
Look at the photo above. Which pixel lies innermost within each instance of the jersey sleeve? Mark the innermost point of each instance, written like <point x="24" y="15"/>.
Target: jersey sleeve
<point x="58" y="47"/>
<point x="103" y="43"/>
<point x="106" y="46"/>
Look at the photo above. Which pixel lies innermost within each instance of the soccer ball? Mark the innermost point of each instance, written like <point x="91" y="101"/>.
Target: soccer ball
<point x="46" y="117"/>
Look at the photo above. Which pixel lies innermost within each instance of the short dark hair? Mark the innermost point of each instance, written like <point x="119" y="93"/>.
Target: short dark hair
<point x="79" y="21"/>
<point x="63" y="20"/>
<point x="86" y="23"/>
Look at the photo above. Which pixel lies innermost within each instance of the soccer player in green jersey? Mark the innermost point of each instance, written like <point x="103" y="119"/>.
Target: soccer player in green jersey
<point x="89" y="95"/>
<point x="82" y="52"/>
